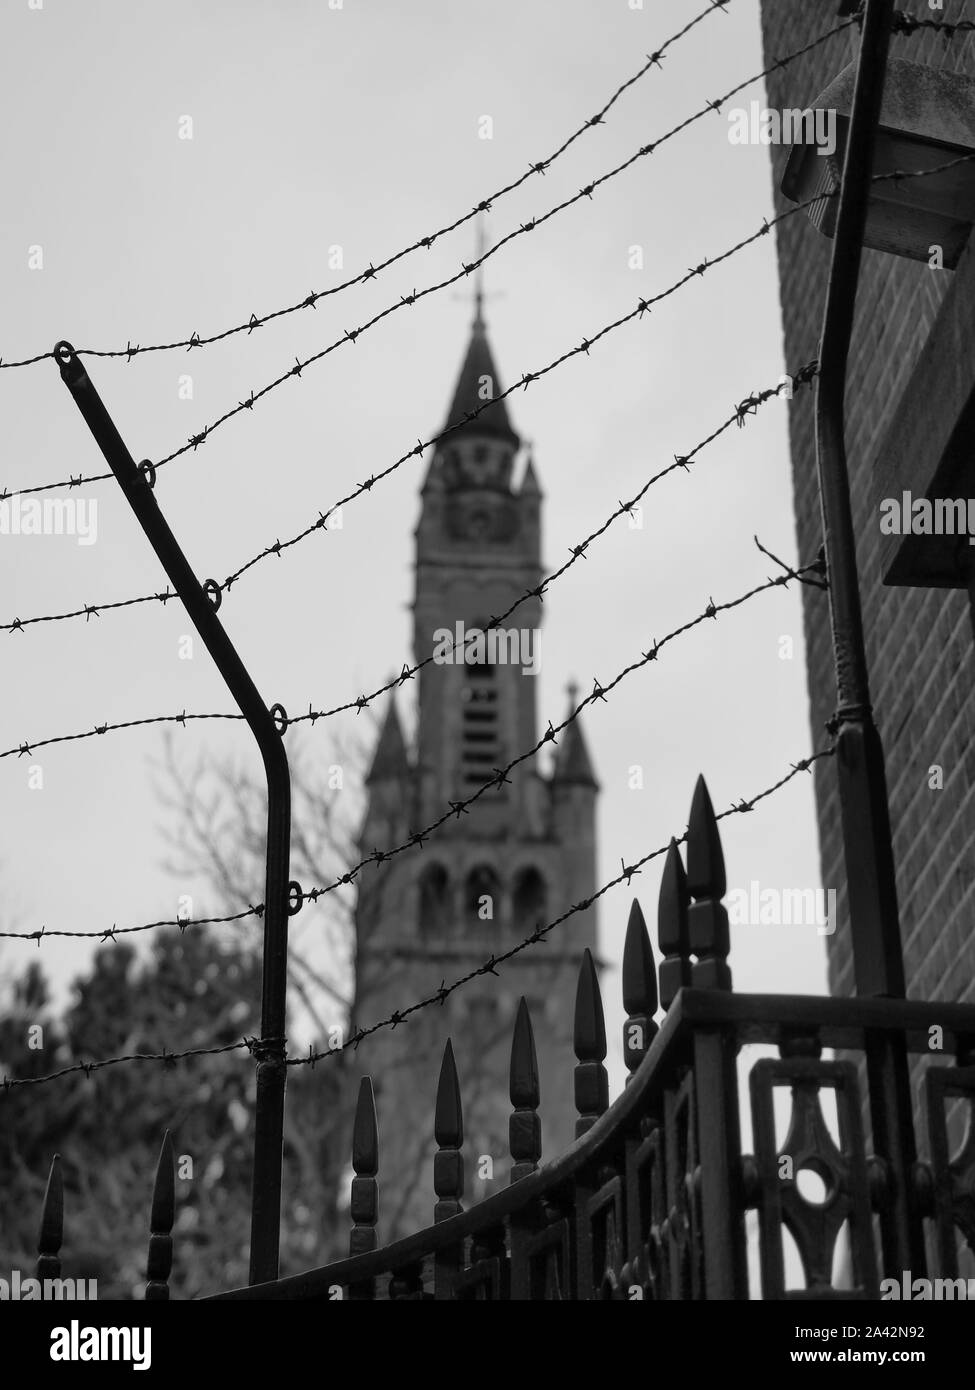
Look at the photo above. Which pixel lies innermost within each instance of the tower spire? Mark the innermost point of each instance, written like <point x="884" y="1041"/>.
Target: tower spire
<point x="471" y="412"/>
<point x="572" y="761"/>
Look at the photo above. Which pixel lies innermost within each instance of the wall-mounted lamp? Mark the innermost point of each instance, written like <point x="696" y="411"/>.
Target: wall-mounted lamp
<point x="927" y="119"/>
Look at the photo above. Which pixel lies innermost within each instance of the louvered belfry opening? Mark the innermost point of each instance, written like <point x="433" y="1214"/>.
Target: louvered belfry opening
<point x="434" y="916"/>
<point x="482" y="893"/>
<point x="529" y="901"/>
<point x="480" y="723"/>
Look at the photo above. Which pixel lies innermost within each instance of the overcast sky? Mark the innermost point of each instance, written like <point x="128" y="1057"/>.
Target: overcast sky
<point x="315" y="127"/>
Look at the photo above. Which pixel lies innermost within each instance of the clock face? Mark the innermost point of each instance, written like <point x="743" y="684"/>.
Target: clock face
<point x="478" y="523"/>
<point x="476" y="466"/>
<point x="477" y="469"/>
<point x="482" y="518"/>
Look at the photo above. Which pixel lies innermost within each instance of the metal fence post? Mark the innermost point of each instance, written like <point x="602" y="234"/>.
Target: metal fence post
<point x="201" y="602"/>
<point x="868" y="850"/>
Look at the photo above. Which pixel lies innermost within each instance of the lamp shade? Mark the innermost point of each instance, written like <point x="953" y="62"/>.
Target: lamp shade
<point x="927" y="119"/>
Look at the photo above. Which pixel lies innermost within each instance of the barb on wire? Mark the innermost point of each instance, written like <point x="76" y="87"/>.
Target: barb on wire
<point x="407" y="301"/>
<point x="744" y="410"/>
<point x="456" y="809"/>
<point x="309" y="301"/>
<point x="443" y="990"/>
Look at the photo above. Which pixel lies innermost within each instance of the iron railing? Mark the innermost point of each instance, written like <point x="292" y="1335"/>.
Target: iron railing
<point x="651" y="1200"/>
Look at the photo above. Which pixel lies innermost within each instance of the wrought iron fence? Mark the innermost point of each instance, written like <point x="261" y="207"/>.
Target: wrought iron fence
<point x="651" y="1200"/>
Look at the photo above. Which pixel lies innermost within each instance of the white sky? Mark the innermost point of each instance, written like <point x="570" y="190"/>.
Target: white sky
<point x="359" y="127"/>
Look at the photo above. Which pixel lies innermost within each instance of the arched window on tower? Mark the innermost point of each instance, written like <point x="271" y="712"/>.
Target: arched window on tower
<point x="529" y="903"/>
<point x="481" y="896"/>
<point x="434" y="900"/>
<point x="480" y="721"/>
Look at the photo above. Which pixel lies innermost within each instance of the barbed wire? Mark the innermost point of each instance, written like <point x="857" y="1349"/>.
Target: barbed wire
<point x="168" y="1058"/>
<point x="903" y="24"/>
<point x="112" y="932"/>
<point x="643" y="306"/>
<point x="739" y="416"/>
<point x="896" y="175"/>
<point x="88" y="611"/>
<point x="26" y="749"/>
<point x="810" y="574"/>
<point x="489" y="967"/>
<point x="908" y="24"/>
<point x="256" y="1046"/>
<point x="197" y="440"/>
<point x="426" y="242"/>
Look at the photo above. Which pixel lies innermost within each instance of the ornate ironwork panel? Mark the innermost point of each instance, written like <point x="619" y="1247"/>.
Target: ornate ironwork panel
<point x="954" y="1175"/>
<point x="487" y="1277"/>
<point x="646" y="1211"/>
<point x="602" y="1231"/>
<point x="809" y="1147"/>
<point x="683" y="1236"/>
<point x="541" y="1259"/>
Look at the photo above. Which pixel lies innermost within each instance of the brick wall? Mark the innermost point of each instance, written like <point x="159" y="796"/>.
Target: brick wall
<point x="919" y="641"/>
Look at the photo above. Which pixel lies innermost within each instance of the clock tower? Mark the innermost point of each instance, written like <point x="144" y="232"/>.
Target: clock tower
<point x="517" y="857"/>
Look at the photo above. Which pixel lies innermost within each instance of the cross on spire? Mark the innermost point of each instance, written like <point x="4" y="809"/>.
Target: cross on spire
<point x="479" y="250"/>
<point x="481" y="247"/>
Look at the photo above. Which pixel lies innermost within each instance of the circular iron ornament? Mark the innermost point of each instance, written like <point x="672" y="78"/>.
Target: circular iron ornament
<point x="280" y="716"/>
<point x="148" y="469"/>
<point x="296" y="897"/>
<point x="214" y="593"/>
